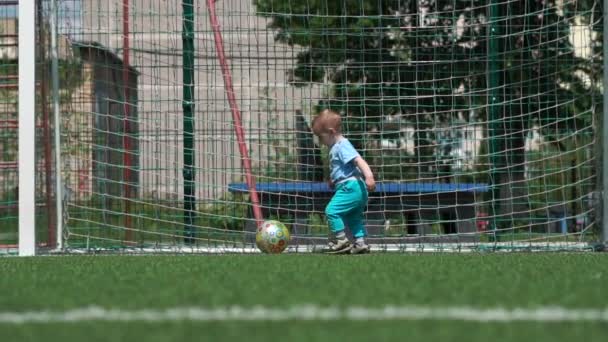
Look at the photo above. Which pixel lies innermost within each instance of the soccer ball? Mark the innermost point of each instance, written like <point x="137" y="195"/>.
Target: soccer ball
<point x="272" y="237"/>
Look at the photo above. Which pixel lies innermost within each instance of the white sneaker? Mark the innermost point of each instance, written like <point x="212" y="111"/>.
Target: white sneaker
<point x="360" y="248"/>
<point x="338" y="246"/>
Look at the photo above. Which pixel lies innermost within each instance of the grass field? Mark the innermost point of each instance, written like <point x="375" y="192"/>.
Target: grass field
<point x="484" y="281"/>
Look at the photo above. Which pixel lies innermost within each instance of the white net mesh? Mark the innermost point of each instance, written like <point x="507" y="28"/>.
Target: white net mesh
<point x="478" y="120"/>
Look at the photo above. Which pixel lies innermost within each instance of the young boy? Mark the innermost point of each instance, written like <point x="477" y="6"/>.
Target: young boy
<point x="352" y="178"/>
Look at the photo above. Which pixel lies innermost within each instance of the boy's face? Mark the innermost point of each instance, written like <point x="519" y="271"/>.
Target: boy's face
<point x="327" y="137"/>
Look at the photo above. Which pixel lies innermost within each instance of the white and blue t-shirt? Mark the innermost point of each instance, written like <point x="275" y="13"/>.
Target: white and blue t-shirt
<point x="341" y="161"/>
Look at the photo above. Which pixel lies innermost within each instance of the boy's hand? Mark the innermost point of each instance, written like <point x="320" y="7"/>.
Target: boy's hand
<point x="370" y="183"/>
<point x="331" y="184"/>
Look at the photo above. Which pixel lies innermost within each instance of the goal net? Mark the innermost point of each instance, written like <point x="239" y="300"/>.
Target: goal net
<point x="185" y="123"/>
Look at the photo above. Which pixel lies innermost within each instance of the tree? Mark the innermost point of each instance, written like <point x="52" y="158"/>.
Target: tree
<point x="424" y="64"/>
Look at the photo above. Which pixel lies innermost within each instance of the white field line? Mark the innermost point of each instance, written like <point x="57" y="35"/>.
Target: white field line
<point x="309" y="313"/>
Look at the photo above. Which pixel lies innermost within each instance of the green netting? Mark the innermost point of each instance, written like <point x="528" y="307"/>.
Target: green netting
<point x="483" y="112"/>
<point x="9" y="126"/>
<point x="8" y="132"/>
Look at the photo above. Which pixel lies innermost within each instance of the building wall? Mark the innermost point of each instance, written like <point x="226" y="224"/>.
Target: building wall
<point x="77" y="122"/>
<point x="259" y="70"/>
<point x="93" y="122"/>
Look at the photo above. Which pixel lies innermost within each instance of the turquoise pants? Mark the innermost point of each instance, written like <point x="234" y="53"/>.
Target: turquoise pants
<point x="346" y="208"/>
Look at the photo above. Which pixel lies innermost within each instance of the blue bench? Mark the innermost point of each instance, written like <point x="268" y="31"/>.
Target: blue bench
<point x="453" y="204"/>
<point x="381" y="188"/>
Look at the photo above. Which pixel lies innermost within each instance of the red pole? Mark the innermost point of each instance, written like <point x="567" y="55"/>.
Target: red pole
<point x="236" y="114"/>
<point x="126" y="140"/>
<point x="46" y="130"/>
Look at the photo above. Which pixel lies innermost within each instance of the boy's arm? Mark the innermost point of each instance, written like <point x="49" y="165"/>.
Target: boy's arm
<point x="331" y="184"/>
<point x="367" y="173"/>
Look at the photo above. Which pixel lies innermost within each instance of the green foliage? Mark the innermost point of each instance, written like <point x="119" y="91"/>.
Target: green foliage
<point x="102" y="218"/>
<point x="317" y="224"/>
<point x="228" y="212"/>
<point x="393" y="64"/>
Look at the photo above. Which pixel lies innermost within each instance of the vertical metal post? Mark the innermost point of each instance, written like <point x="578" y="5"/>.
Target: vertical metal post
<point x="57" y="123"/>
<point x="494" y="112"/>
<point x="188" y="119"/>
<point x="27" y="128"/>
<point x="46" y="130"/>
<point x="604" y="138"/>
<point x="126" y="138"/>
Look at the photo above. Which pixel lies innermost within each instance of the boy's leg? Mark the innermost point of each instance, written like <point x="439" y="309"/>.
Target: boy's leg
<point x="354" y="218"/>
<point x="356" y="225"/>
<point x="355" y="222"/>
<point x="344" y="201"/>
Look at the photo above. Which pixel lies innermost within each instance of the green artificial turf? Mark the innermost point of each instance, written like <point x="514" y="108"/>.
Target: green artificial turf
<point x="282" y="281"/>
